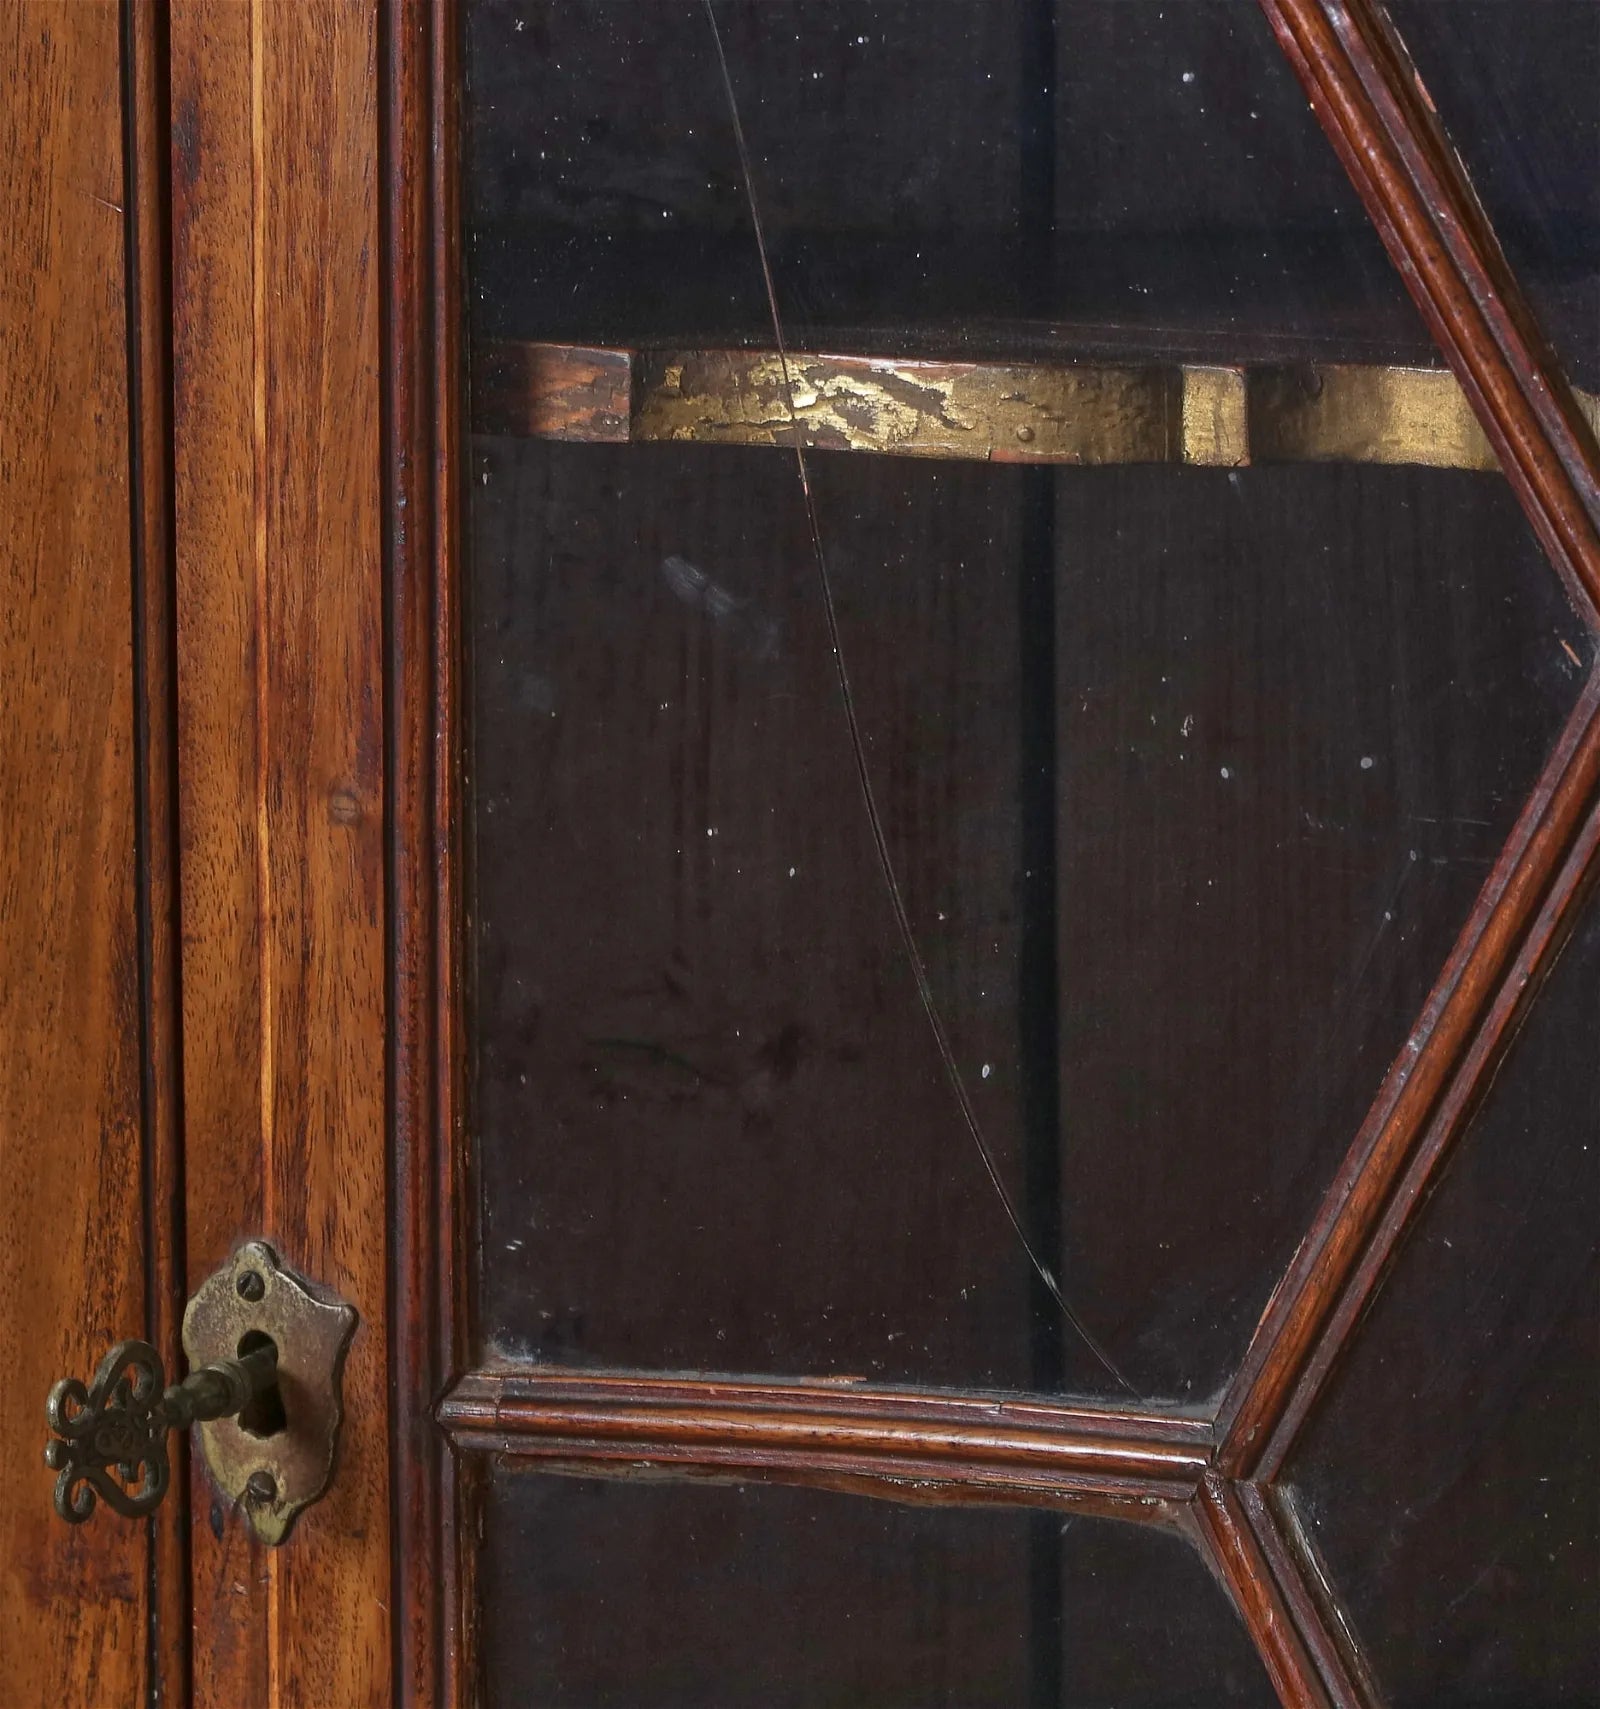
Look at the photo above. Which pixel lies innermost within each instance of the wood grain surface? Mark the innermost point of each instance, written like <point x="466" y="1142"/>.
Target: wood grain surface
<point x="973" y="1446"/>
<point x="281" y="775"/>
<point x="306" y="328"/>
<point x="73" y="1600"/>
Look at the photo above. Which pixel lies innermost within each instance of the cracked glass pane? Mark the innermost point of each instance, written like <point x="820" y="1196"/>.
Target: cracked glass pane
<point x="941" y="917"/>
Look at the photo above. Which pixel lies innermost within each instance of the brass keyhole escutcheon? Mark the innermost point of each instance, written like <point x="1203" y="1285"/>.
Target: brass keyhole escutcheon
<point x="267" y="1350"/>
<point x="275" y="1456"/>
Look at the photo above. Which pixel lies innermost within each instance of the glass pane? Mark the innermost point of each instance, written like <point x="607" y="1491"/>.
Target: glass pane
<point x="648" y="1595"/>
<point x="1003" y="174"/>
<point x="1184" y="778"/>
<point x="1516" y="89"/>
<point x="1452" y="1480"/>
<point x="1283" y="733"/>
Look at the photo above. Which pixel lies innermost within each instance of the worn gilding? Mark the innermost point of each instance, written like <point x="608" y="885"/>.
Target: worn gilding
<point x="1216" y="426"/>
<point x="1204" y="415"/>
<point x="1345" y="414"/>
<point x="915" y="409"/>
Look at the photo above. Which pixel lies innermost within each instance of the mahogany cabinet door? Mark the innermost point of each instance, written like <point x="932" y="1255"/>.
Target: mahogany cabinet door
<point x="86" y="1087"/>
<point x="851" y="747"/>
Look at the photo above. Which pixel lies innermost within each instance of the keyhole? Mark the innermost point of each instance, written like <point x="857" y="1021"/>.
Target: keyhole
<point x="263" y="1414"/>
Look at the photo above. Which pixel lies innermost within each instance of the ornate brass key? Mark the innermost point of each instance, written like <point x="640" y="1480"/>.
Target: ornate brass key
<point x="115" y="1431"/>
<point x="268" y="1349"/>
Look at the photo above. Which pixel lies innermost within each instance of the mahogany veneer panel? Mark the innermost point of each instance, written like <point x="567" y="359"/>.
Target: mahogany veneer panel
<point x="74" y="1602"/>
<point x="280" y="692"/>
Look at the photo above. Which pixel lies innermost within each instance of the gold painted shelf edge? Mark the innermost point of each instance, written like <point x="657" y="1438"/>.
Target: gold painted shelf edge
<point x="1203" y="415"/>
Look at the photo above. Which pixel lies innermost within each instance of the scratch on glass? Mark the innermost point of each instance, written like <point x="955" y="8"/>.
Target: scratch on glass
<point x="869" y="797"/>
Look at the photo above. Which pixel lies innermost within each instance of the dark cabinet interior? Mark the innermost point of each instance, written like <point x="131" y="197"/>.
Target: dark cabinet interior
<point x="1002" y="667"/>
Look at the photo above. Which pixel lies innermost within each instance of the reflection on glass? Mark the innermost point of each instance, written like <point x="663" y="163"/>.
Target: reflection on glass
<point x="1184" y="777"/>
<point x="651" y="1596"/>
<point x="1452" y="1478"/>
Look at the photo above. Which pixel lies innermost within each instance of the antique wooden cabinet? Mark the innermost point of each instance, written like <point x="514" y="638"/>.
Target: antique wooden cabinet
<point x="850" y="749"/>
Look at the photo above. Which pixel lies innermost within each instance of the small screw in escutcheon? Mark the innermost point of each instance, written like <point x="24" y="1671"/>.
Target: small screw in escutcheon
<point x="260" y="1488"/>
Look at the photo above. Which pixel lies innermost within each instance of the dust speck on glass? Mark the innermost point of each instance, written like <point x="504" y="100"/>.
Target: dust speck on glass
<point x="942" y="918"/>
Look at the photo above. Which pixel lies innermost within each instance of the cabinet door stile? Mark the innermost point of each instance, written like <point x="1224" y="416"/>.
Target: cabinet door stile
<point x="279" y="521"/>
